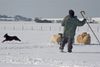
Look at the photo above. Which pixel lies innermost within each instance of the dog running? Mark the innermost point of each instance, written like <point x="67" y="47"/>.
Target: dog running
<point x="10" y="38"/>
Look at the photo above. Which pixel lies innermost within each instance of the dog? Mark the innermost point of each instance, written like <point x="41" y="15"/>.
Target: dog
<point x="56" y="38"/>
<point x="10" y="38"/>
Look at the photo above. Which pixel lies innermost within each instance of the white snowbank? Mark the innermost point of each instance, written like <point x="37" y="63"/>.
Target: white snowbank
<point x="36" y="50"/>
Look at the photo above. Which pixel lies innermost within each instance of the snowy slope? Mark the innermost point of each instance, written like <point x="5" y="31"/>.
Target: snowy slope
<point x="36" y="49"/>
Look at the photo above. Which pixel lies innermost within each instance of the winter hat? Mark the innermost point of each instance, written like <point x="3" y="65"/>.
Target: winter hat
<point x="71" y="13"/>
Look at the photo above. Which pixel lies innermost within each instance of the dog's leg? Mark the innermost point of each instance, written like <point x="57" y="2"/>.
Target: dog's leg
<point x="18" y="39"/>
<point x="3" y="41"/>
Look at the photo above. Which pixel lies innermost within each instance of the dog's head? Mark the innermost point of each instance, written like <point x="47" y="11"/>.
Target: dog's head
<point x="5" y="35"/>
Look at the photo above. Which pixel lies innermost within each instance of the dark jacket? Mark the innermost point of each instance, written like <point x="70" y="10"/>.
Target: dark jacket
<point x="70" y="24"/>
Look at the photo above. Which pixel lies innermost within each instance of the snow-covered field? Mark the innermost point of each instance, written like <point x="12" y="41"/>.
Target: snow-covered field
<point x="36" y="49"/>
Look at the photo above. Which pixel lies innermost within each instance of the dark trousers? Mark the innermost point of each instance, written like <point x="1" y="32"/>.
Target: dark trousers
<point x="66" y="40"/>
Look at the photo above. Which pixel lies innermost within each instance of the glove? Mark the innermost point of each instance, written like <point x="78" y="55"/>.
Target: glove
<point x="84" y="19"/>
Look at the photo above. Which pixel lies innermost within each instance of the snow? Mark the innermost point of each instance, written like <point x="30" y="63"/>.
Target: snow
<point x="36" y="49"/>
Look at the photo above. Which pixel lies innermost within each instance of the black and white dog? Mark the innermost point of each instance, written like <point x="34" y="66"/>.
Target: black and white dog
<point x="10" y="38"/>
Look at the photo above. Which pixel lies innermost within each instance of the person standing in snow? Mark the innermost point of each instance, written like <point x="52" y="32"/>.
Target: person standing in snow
<point x="70" y="24"/>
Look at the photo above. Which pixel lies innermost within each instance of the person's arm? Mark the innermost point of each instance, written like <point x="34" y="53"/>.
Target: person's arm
<point x="64" y="20"/>
<point x="80" y="23"/>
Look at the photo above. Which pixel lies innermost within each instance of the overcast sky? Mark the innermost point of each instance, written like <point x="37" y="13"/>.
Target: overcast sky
<point x="49" y="8"/>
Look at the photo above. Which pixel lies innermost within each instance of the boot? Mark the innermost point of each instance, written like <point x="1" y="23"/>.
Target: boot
<point x="70" y="48"/>
<point x="61" y="48"/>
<point x="70" y="51"/>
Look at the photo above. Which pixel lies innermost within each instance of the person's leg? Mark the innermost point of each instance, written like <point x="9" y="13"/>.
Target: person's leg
<point x="62" y="43"/>
<point x="70" y="46"/>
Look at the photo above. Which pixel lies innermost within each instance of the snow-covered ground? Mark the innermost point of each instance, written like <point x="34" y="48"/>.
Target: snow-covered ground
<point x="36" y="49"/>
